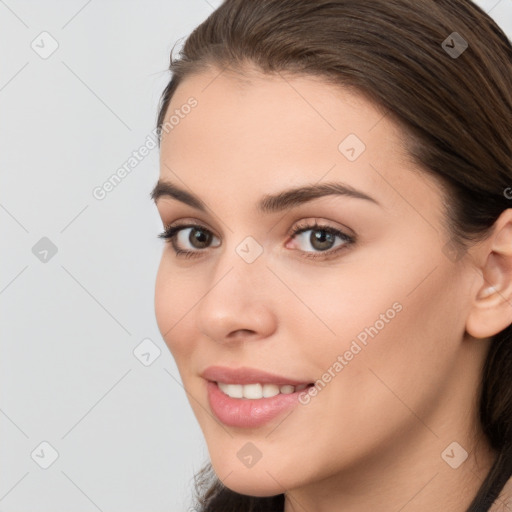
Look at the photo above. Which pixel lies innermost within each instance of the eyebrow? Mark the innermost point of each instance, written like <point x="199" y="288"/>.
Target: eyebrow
<point x="269" y="203"/>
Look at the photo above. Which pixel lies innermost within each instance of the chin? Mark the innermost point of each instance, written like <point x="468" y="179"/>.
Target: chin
<point x="249" y="487"/>
<point x="251" y="481"/>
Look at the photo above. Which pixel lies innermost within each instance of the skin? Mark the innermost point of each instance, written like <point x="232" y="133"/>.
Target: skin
<point x="372" y="439"/>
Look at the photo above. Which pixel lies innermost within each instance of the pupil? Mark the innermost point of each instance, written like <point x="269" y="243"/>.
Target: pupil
<point x="199" y="236"/>
<point x="321" y="236"/>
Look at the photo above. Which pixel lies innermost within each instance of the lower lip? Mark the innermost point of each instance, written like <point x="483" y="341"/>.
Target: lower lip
<point x="248" y="413"/>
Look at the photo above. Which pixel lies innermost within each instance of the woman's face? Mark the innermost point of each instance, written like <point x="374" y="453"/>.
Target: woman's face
<point x="372" y="311"/>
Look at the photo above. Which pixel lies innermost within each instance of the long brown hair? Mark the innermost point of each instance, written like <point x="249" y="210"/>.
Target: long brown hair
<point x="454" y="104"/>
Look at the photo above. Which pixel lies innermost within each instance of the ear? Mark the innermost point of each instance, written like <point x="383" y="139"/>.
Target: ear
<point x="491" y="311"/>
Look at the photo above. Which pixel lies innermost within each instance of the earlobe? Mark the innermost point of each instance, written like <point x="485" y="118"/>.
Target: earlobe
<point x="491" y="310"/>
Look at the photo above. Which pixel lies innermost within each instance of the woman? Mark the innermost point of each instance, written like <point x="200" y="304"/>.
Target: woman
<point x="336" y="287"/>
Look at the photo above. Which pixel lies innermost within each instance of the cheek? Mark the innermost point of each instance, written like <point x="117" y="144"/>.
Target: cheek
<point x="174" y="301"/>
<point x="398" y="342"/>
<point x="331" y="307"/>
<point x="384" y="333"/>
<point x="164" y="298"/>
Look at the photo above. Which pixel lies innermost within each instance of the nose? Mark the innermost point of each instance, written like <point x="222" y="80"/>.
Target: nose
<point x="238" y="304"/>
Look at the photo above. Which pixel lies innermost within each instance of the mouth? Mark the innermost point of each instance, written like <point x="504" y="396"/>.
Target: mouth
<point x="252" y="405"/>
<point x="251" y="378"/>
<point x="248" y="397"/>
<point x="257" y="391"/>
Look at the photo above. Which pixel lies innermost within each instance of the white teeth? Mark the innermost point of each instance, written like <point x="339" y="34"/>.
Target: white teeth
<point x="270" y="390"/>
<point x="257" y="391"/>
<point x="253" y="391"/>
<point x="232" y="390"/>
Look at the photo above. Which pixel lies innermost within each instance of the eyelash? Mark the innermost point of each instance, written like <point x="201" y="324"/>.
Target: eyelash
<point x="170" y="233"/>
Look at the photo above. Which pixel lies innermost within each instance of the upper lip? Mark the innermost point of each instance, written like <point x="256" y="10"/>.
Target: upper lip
<point x="246" y="375"/>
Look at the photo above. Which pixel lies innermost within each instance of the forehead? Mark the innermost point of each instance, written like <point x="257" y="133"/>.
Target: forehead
<point x="275" y="112"/>
<point x="239" y="104"/>
<point x="264" y="132"/>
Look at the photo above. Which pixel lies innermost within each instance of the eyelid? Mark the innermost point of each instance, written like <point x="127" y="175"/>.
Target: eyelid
<point x="321" y="223"/>
<point x="189" y="222"/>
<point x="347" y="240"/>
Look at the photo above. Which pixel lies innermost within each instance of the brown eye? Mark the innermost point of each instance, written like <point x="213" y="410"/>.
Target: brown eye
<point x="199" y="238"/>
<point x="321" y="239"/>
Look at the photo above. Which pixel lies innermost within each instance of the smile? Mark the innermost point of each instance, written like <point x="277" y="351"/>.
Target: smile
<point x="257" y="391"/>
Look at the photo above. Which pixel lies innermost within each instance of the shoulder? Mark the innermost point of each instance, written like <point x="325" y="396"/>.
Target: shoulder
<point x="504" y="501"/>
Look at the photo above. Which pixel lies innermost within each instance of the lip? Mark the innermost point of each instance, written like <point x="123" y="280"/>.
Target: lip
<point x="243" y="412"/>
<point x="247" y="413"/>
<point x="246" y="375"/>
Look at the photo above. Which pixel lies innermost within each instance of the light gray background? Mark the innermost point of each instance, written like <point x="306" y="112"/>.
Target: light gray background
<point x="125" y="434"/>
